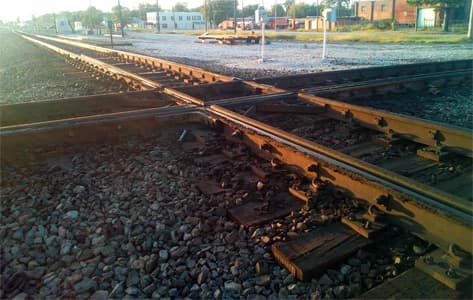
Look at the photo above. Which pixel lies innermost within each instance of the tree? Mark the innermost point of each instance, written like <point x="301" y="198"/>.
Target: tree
<point x="71" y="17"/>
<point x="34" y="20"/>
<point x="180" y="6"/>
<point x="309" y="9"/>
<point x="92" y="17"/>
<point x="289" y="7"/>
<point x="249" y="10"/>
<point x="218" y="11"/>
<point x="444" y="5"/>
<point x="279" y="11"/>
<point x="45" y="21"/>
<point x="301" y="10"/>
<point x="141" y="11"/>
<point x="197" y="9"/>
<point x="146" y="8"/>
<point x="125" y="15"/>
<point x="342" y="6"/>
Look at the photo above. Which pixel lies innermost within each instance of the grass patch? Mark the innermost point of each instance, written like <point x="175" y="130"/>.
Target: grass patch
<point x="373" y="37"/>
<point x="143" y="30"/>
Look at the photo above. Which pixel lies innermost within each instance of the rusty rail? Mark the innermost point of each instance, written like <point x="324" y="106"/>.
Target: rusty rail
<point x="430" y="213"/>
<point x="195" y="72"/>
<point x="102" y="67"/>
<point x="437" y="195"/>
<point x="302" y="81"/>
<point x="436" y="135"/>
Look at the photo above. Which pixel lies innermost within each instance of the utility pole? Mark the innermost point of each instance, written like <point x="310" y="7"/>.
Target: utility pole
<point x="205" y="12"/>
<point x="243" y="14"/>
<point x="157" y="16"/>
<point x="120" y="18"/>
<point x="234" y="16"/>
<point x="294" y="9"/>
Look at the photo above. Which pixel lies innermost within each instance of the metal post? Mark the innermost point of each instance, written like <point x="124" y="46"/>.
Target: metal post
<point x="174" y="19"/>
<point x="157" y="16"/>
<point x="262" y="41"/>
<point x="120" y="18"/>
<point x="393" y="15"/>
<point x="470" y="23"/>
<point x="110" y="29"/>
<point x="275" y="15"/>
<point x="372" y="11"/>
<point x="325" y="39"/>
<point x="55" y="23"/>
<point x="417" y="18"/>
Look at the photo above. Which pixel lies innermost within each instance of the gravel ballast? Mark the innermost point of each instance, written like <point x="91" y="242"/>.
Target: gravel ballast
<point x="30" y="73"/>
<point x="129" y="221"/>
<point x="282" y="57"/>
<point x="126" y="221"/>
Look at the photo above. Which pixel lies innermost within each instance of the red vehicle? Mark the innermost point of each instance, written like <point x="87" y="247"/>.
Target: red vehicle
<point x="277" y="23"/>
<point x="227" y="24"/>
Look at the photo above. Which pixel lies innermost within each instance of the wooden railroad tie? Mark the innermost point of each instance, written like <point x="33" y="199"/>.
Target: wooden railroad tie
<point x="312" y="253"/>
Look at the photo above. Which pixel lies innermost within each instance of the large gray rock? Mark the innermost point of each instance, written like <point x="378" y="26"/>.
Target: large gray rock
<point x="86" y="285"/>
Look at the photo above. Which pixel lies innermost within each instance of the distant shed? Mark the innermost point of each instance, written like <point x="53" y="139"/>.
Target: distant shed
<point x="426" y="16"/>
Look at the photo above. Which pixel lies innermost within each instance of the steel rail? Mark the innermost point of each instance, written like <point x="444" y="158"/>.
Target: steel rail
<point x="139" y="80"/>
<point x="362" y="74"/>
<point x="198" y="73"/>
<point x="434" y="134"/>
<point x="383" y="82"/>
<point x="439" y="223"/>
<point x="438" y="195"/>
<point x="437" y="135"/>
<point x="7" y="131"/>
<point x="195" y="72"/>
<point x="110" y="69"/>
<point x="418" y="192"/>
<point x="99" y="65"/>
<point x="32" y="112"/>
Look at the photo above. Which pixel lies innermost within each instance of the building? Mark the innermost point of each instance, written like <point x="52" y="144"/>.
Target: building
<point x="426" y="16"/>
<point x="136" y="23"/>
<point x="386" y="9"/>
<point x="169" y="20"/>
<point x="63" y="26"/>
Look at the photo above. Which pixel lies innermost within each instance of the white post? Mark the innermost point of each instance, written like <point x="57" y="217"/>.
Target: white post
<point x="325" y="39"/>
<point x="262" y="42"/>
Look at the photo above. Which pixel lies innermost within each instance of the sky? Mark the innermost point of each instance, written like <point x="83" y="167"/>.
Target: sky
<point x="24" y="9"/>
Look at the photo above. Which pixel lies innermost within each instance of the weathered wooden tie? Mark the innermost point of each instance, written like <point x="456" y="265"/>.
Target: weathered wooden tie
<point x="312" y="253"/>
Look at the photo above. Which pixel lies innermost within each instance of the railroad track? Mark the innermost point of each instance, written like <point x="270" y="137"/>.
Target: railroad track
<point x="286" y="148"/>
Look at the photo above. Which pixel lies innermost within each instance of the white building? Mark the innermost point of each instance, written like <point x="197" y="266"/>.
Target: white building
<point x="169" y="20"/>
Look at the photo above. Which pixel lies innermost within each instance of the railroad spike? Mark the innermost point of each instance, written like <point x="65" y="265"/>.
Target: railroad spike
<point x="314" y="168"/>
<point x="237" y="134"/>
<point x="384" y="200"/>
